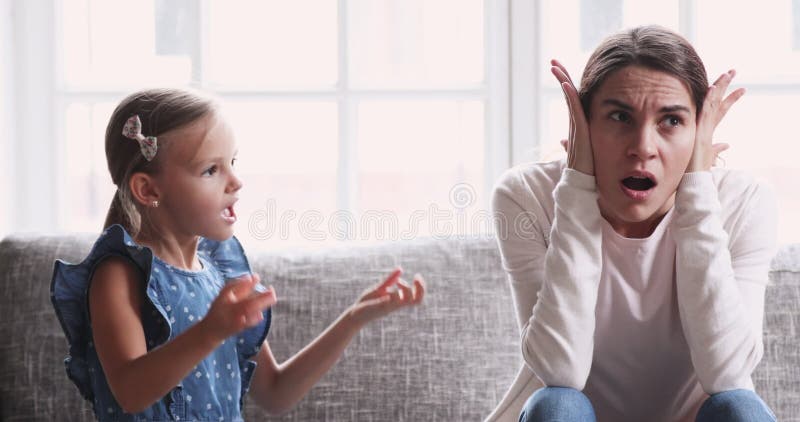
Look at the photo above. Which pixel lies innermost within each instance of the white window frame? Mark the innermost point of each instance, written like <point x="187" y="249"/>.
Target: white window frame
<point x="32" y="108"/>
<point x="7" y="143"/>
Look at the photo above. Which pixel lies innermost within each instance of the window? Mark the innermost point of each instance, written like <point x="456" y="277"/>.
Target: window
<point x="352" y="121"/>
<point x="360" y="119"/>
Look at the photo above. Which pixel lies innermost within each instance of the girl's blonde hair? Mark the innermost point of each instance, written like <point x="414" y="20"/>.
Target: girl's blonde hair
<point x="160" y="111"/>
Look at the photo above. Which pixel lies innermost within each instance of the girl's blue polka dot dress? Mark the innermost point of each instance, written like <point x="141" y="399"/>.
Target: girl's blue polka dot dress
<point x="175" y="299"/>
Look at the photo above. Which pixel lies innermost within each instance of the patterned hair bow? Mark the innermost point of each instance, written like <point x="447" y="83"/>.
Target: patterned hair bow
<point x="133" y="130"/>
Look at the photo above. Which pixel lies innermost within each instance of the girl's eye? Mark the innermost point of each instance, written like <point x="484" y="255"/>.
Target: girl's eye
<point x="620" y="116"/>
<point x="233" y="162"/>
<point x="210" y="171"/>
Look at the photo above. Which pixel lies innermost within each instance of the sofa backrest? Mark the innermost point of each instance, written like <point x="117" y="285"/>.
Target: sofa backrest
<point x="777" y="378"/>
<point x="450" y="359"/>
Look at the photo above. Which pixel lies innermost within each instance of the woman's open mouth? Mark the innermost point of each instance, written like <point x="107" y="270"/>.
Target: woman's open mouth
<point x="638" y="186"/>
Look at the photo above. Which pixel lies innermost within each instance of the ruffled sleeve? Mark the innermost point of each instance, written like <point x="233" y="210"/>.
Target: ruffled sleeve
<point x="229" y="258"/>
<point x="69" y="294"/>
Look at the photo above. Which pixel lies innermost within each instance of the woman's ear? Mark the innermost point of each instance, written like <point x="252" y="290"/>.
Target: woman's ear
<point x="143" y="189"/>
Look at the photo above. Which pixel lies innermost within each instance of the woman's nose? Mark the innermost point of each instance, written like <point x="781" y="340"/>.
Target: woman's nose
<point x="643" y="144"/>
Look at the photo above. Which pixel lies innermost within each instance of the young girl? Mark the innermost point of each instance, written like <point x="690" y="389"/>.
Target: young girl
<point x="164" y="318"/>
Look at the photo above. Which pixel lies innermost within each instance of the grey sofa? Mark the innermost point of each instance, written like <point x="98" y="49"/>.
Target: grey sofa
<point x="450" y="359"/>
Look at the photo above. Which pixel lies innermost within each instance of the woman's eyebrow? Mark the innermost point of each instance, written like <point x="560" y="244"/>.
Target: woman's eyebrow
<point x="674" y="108"/>
<point x="666" y="109"/>
<point x="617" y="103"/>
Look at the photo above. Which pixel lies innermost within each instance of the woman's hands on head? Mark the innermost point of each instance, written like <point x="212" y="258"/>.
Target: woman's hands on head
<point x="715" y="106"/>
<point x="578" y="146"/>
<point x="238" y="306"/>
<point x="387" y="297"/>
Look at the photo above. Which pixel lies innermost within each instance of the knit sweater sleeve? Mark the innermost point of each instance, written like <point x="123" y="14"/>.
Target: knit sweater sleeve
<point x="721" y="277"/>
<point x="554" y="285"/>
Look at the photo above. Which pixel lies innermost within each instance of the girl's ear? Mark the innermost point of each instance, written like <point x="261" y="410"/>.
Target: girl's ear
<point x="143" y="189"/>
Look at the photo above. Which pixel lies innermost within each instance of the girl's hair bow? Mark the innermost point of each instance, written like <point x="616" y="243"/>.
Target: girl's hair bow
<point x="133" y="130"/>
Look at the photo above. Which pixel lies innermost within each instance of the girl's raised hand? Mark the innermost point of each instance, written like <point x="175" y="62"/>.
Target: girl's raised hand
<point x="579" y="146"/>
<point x="239" y="305"/>
<point x="386" y="297"/>
<point x="715" y="106"/>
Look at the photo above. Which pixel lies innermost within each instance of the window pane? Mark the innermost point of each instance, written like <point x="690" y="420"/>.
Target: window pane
<point x="416" y="43"/>
<point x="762" y="53"/>
<point x="421" y="159"/>
<point x="288" y="153"/>
<point x="554" y="128"/>
<point x="98" y="52"/>
<point x="86" y="189"/>
<point x="572" y="29"/>
<point x="765" y="150"/>
<point x="256" y="43"/>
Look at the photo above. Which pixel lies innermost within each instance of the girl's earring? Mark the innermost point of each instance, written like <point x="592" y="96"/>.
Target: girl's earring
<point x="155" y="204"/>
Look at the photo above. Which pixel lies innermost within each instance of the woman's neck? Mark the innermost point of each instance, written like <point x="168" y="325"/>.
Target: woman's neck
<point x="639" y="229"/>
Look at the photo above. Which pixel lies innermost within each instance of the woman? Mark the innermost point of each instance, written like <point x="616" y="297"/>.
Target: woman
<point x="640" y="291"/>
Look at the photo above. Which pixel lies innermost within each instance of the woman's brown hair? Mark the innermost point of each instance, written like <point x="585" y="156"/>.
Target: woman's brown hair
<point x="653" y="47"/>
<point x="160" y="111"/>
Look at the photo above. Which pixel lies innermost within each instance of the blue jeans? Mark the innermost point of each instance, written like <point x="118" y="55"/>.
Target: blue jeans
<point x="735" y="405"/>
<point x="557" y="404"/>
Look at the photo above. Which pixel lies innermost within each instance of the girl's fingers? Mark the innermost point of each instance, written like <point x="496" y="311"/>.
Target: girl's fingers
<point x="406" y="294"/>
<point x="383" y="301"/>
<point x="419" y="289"/>
<point x="236" y="290"/>
<point x="392" y="279"/>
<point x="257" y="302"/>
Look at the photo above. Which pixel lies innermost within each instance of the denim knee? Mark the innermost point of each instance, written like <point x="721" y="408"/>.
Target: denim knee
<point x="734" y="406"/>
<point x="557" y="404"/>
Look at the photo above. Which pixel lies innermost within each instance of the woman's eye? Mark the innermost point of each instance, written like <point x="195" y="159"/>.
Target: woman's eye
<point x="620" y="116"/>
<point x="210" y="171"/>
<point x="673" y="121"/>
<point x="233" y="162"/>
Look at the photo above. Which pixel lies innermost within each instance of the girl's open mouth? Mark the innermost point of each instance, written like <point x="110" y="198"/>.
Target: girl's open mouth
<point x="229" y="215"/>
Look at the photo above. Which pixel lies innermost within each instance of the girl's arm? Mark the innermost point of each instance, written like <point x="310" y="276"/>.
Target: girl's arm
<point x="138" y="378"/>
<point x="277" y="388"/>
